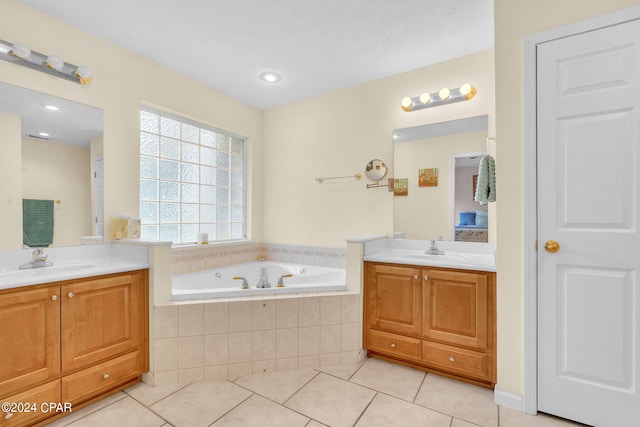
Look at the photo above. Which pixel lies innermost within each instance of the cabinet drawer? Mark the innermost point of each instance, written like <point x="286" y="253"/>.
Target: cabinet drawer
<point x="455" y="360"/>
<point x="40" y="397"/>
<point x="392" y="344"/>
<point x="83" y="385"/>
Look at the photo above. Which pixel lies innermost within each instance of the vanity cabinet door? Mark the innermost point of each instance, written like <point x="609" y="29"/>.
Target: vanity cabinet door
<point x="393" y="296"/>
<point x="456" y="310"/>
<point x="101" y="318"/>
<point x="29" y="338"/>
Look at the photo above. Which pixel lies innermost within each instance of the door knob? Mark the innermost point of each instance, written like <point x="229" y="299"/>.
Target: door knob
<point x="552" y="246"/>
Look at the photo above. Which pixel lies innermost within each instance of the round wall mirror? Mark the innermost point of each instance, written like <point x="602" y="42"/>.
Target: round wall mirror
<point x="376" y="170"/>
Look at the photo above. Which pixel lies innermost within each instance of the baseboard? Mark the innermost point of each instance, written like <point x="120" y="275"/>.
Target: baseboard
<point x="508" y="400"/>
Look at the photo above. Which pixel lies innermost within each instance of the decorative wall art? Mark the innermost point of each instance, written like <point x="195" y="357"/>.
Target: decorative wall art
<point x="428" y="177"/>
<point x="401" y="187"/>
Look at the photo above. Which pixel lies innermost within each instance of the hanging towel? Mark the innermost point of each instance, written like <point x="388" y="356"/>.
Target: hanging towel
<point x="37" y="222"/>
<point x="486" y="189"/>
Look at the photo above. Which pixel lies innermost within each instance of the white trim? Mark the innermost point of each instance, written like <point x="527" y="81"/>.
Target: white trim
<point x="508" y="400"/>
<point x="455" y="156"/>
<point x="530" y="43"/>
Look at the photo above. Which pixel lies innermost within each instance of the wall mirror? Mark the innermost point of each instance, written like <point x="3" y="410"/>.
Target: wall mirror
<point x="62" y="160"/>
<point x="376" y="170"/>
<point x="448" y="153"/>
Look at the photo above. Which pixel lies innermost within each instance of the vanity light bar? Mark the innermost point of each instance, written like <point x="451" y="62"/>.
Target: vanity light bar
<point x="50" y="64"/>
<point x="443" y="96"/>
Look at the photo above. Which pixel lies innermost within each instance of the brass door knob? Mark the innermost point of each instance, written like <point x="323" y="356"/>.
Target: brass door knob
<point x="552" y="246"/>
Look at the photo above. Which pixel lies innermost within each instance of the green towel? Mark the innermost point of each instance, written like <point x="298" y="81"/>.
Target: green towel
<point x="37" y="222"/>
<point x="486" y="187"/>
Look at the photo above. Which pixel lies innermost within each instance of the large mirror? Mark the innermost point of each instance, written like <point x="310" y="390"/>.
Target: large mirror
<point x="62" y="164"/>
<point x="440" y="162"/>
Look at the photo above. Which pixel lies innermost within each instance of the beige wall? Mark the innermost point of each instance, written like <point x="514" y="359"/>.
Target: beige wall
<point x="426" y="212"/>
<point x="121" y="82"/>
<point x="10" y="182"/>
<point x="62" y="172"/>
<point x="336" y="134"/>
<point x="515" y="19"/>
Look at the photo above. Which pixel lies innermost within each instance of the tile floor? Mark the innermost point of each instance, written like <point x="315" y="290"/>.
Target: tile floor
<point x="374" y="393"/>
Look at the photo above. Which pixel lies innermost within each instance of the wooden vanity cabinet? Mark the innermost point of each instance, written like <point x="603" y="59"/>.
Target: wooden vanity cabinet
<point x="436" y="319"/>
<point x="71" y="341"/>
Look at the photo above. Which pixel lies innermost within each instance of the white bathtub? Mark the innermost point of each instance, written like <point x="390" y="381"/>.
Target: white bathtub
<point x="218" y="283"/>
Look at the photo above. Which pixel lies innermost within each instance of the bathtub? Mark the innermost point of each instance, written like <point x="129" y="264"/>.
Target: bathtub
<point x="219" y="283"/>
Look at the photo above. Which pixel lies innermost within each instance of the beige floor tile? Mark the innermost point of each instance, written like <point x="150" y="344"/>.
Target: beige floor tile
<point x="331" y="401"/>
<point x="459" y="423"/>
<point x="200" y="404"/>
<point x="388" y="411"/>
<point x="123" y="413"/>
<point x="258" y="411"/>
<point x="277" y="386"/>
<point x="314" y="423"/>
<point x="77" y="414"/>
<point x="390" y="378"/>
<point x="511" y="418"/>
<point x="460" y="400"/>
<point x="344" y="371"/>
<point x="148" y="395"/>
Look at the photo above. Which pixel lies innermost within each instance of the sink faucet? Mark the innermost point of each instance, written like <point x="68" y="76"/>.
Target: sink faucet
<point x="433" y="249"/>
<point x="38" y="260"/>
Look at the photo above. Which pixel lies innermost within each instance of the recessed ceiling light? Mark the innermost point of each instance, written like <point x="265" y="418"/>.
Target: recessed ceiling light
<point x="52" y="107"/>
<point x="270" y="77"/>
<point x="43" y="134"/>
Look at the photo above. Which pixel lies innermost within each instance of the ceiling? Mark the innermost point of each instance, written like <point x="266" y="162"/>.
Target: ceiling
<point x="316" y="46"/>
<point x="73" y="123"/>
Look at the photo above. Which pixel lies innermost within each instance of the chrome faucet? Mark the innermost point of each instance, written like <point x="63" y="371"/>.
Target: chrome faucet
<point x="38" y="260"/>
<point x="245" y="284"/>
<point x="264" y="279"/>
<point x="433" y="249"/>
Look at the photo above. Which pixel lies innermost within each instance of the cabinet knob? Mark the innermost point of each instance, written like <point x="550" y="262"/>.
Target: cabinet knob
<point x="452" y="359"/>
<point x="105" y="376"/>
<point x="416" y="277"/>
<point x="70" y="294"/>
<point x="54" y="297"/>
<point x="426" y="277"/>
<point x="393" y="345"/>
<point x="8" y="415"/>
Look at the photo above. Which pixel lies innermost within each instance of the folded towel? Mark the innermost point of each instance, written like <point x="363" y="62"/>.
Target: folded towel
<point x="37" y="222"/>
<point x="486" y="188"/>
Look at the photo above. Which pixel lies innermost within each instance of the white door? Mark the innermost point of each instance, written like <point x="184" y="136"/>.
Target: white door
<point x="588" y="136"/>
<point x="98" y="196"/>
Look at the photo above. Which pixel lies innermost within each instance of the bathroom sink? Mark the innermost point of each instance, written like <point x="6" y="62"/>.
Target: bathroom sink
<point x="446" y="257"/>
<point x="53" y="270"/>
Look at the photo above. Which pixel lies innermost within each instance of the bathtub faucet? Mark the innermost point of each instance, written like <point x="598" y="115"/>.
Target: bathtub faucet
<point x="245" y="284"/>
<point x="281" y="282"/>
<point x="264" y="279"/>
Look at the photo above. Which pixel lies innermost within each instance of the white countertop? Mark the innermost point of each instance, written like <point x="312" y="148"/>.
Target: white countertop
<point x="460" y="255"/>
<point x="73" y="263"/>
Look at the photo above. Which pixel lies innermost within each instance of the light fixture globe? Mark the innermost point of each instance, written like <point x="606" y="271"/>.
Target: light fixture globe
<point x="84" y="75"/>
<point x="425" y="98"/>
<point x="406" y="103"/>
<point x="54" y="62"/>
<point x="444" y="93"/>
<point x="20" y="50"/>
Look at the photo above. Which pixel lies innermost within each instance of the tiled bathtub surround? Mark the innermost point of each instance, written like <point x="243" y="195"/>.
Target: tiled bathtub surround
<point x="189" y="259"/>
<point x="194" y="342"/>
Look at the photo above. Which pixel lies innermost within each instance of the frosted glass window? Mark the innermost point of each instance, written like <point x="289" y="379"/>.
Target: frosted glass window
<point x="192" y="180"/>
